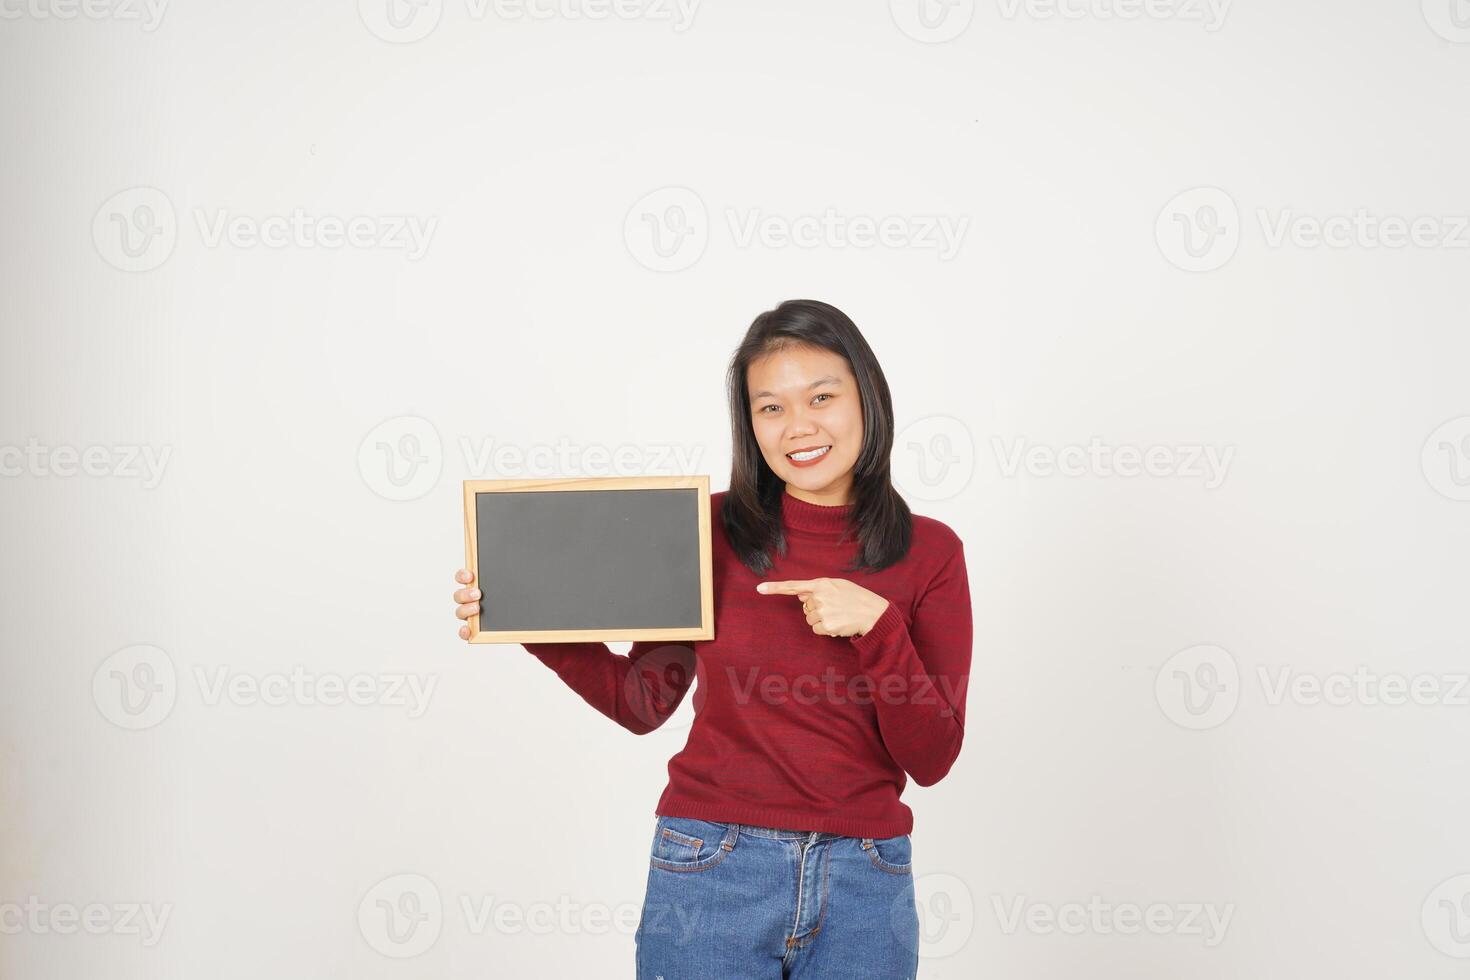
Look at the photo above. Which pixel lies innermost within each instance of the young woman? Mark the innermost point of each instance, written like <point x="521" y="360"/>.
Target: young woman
<point x="842" y="651"/>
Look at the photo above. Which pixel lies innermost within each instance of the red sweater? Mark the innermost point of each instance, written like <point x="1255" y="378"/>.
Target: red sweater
<point x="792" y="729"/>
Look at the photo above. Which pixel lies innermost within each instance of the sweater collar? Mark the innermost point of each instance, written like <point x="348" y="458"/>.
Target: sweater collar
<point x="798" y="513"/>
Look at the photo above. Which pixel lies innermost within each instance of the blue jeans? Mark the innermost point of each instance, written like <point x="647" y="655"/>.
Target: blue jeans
<point x="731" y="902"/>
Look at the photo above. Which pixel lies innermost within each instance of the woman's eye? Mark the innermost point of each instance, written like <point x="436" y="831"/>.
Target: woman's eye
<point x="822" y="395"/>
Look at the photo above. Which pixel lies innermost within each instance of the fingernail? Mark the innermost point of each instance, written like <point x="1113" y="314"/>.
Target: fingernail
<point x="760" y="587"/>
<point x="474" y="593"/>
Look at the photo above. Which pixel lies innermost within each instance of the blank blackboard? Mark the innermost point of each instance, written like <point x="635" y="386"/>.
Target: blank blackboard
<point x="590" y="559"/>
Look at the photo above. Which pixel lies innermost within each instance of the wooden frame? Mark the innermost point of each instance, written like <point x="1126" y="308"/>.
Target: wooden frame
<point x="706" y="629"/>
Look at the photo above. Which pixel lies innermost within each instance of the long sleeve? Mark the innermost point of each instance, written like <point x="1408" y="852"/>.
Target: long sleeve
<point x="922" y="720"/>
<point x="638" y="691"/>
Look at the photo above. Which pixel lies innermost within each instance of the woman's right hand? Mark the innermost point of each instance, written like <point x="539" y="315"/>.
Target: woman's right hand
<point x="468" y="599"/>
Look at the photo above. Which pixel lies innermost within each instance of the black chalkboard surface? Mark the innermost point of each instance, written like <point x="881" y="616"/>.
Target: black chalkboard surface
<point x="601" y="558"/>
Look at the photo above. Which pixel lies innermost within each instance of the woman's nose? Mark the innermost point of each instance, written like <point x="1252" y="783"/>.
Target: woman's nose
<point x="800" y="424"/>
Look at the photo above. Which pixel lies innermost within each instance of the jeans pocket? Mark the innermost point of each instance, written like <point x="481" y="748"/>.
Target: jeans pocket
<point x="894" y="855"/>
<point x="686" y="844"/>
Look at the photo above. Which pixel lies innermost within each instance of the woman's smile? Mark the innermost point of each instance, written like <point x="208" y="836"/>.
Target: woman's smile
<point x="808" y="457"/>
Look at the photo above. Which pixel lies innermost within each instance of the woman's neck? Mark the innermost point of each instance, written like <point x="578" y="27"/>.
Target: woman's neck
<point x="839" y="497"/>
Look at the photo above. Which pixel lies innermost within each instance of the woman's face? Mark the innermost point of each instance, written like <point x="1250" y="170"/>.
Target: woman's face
<point x="804" y="398"/>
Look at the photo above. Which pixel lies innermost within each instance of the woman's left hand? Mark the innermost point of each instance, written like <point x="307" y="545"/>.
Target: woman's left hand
<point x="833" y="606"/>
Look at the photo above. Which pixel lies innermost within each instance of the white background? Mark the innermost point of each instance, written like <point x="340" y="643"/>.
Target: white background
<point x="543" y="315"/>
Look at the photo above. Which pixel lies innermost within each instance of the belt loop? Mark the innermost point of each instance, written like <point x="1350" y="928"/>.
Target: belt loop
<point x="732" y="834"/>
<point x="867" y="843"/>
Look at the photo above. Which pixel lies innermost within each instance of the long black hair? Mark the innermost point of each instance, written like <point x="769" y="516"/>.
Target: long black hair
<point x="881" y="522"/>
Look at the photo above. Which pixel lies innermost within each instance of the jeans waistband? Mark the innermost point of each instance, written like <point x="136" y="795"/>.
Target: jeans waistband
<point x="779" y="833"/>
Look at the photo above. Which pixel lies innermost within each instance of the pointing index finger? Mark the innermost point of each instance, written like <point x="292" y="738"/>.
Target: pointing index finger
<point x="791" y="587"/>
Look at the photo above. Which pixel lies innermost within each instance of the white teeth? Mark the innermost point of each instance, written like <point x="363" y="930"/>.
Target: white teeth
<point x="803" y="457"/>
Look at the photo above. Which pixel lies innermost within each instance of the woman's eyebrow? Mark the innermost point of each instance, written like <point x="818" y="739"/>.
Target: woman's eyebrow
<point x="826" y="380"/>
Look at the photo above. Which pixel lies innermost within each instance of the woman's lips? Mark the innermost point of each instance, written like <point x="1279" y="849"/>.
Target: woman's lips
<point x="810" y="462"/>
